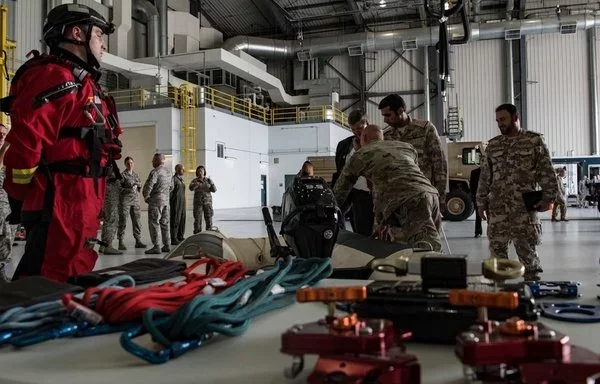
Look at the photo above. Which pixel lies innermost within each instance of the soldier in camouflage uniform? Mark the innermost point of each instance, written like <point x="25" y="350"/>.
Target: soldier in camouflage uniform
<point x="6" y="233"/>
<point x="202" y="187"/>
<point x="110" y="216"/>
<point x="405" y="203"/>
<point x="515" y="162"/>
<point x="156" y="192"/>
<point x="131" y="186"/>
<point x="561" y="199"/>
<point x="423" y="136"/>
<point x="178" y="206"/>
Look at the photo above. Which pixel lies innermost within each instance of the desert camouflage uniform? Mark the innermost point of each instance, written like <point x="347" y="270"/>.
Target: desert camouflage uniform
<point x="512" y="166"/>
<point x="560" y="204"/>
<point x="110" y="211"/>
<point x="202" y="189"/>
<point x="405" y="200"/>
<point x="130" y="204"/>
<point x="156" y="191"/>
<point x="423" y="136"/>
<point x="6" y="233"/>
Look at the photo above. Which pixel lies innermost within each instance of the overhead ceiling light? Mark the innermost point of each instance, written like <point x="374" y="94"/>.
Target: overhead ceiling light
<point x="382" y="3"/>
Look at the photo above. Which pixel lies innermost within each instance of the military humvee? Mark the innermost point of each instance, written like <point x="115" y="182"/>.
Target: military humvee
<point x="463" y="157"/>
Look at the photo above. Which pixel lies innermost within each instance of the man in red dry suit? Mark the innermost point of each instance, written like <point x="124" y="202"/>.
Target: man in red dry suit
<point x="64" y="143"/>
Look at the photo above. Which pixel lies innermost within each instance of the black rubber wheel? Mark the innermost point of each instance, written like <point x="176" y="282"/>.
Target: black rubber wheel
<point x="459" y="205"/>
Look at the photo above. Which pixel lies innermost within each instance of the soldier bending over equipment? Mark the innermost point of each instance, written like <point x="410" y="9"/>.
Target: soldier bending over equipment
<point x="406" y="203"/>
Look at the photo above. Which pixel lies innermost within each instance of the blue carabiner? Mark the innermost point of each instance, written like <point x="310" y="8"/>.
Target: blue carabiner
<point x="571" y="312"/>
<point x="104" y="329"/>
<point x="6" y="336"/>
<point x="56" y="332"/>
<point x="175" y="350"/>
<point x="563" y="289"/>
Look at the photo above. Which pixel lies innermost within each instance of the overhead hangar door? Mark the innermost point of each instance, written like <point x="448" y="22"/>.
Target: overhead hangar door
<point x="140" y="144"/>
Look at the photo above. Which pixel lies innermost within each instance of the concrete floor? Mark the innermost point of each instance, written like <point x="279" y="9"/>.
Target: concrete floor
<point x="570" y="250"/>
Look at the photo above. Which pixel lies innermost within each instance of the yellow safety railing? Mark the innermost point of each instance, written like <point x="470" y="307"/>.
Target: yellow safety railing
<point x="140" y="98"/>
<point x="299" y="115"/>
<point x="214" y="98"/>
<point x="7" y="59"/>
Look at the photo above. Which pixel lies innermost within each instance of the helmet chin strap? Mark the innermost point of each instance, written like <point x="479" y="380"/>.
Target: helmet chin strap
<point x="90" y="58"/>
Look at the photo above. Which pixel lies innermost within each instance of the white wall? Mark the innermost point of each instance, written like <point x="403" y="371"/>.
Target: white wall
<point x="247" y="143"/>
<point x="292" y="144"/>
<point x="28" y="27"/>
<point x="558" y="91"/>
<point x="167" y="121"/>
<point x="478" y="72"/>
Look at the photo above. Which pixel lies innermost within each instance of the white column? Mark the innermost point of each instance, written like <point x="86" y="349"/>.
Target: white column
<point x="117" y="42"/>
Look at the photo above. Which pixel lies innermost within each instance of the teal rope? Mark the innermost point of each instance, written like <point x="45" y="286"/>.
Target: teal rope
<point x="34" y="316"/>
<point x="227" y="313"/>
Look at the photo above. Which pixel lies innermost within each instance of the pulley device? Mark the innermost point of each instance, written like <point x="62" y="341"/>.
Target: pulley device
<point x="350" y="349"/>
<point x="420" y="306"/>
<point x="516" y="350"/>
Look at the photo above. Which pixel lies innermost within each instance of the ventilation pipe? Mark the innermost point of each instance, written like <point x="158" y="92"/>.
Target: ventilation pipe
<point x="592" y="68"/>
<point x="152" y="18"/>
<point x="400" y="39"/>
<point x="163" y="10"/>
<point x="510" y="73"/>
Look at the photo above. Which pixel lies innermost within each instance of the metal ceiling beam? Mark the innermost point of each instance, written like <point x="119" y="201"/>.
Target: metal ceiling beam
<point x="401" y="18"/>
<point x="353" y="96"/>
<point x="358" y="19"/>
<point x="350" y="106"/>
<point x="342" y="76"/>
<point x="387" y="68"/>
<point x="271" y="11"/>
<point x="317" y="5"/>
<point x="344" y="25"/>
<point x="411" y="65"/>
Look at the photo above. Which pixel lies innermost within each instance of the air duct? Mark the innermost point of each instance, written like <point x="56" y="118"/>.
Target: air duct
<point x="161" y="7"/>
<point x="152" y="18"/>
<point x="381" y="41"/>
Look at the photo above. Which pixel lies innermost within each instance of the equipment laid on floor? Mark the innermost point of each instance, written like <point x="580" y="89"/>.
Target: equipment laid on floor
<point x="143" y="271"/>
<point x="228" y="313"/>
<point x="421" y="306"/>
<point x="562" y="289"/>
<point x="311" y="218"/>
<point x="516" y="350"/>
<point x="350" y="349"/>
<point x="571" y="312"/>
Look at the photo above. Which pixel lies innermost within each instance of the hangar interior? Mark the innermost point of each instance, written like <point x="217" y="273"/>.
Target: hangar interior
<point x="252" y="88"/>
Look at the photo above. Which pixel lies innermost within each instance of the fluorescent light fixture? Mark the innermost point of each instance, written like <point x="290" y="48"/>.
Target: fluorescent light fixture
<point x="329" y="114"/>
<point x="201" y="95"/>
<point x="382" y="3"/>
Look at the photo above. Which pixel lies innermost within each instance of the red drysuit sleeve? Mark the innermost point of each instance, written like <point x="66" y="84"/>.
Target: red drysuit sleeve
<point x="34" y="128"/>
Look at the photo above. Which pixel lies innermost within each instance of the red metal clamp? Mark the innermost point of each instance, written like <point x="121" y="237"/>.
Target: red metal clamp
<point x="529" y="352"/>
<point x="351" y="350"/>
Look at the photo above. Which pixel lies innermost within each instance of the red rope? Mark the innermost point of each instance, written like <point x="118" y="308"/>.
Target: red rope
<point x="127" y="304"/>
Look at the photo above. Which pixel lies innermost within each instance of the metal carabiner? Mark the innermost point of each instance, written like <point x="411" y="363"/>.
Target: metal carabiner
<point x="104" y="329"/>
<point x="175" y="350"/>
<point x="56" y="332"/>
<point x="87" y="113"/>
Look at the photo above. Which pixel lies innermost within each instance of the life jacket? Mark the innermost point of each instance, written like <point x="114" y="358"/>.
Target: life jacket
<point x="97" y="136"/>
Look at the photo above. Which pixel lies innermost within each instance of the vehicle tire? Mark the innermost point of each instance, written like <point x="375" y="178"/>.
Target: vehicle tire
<point x="459" y="205"/>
